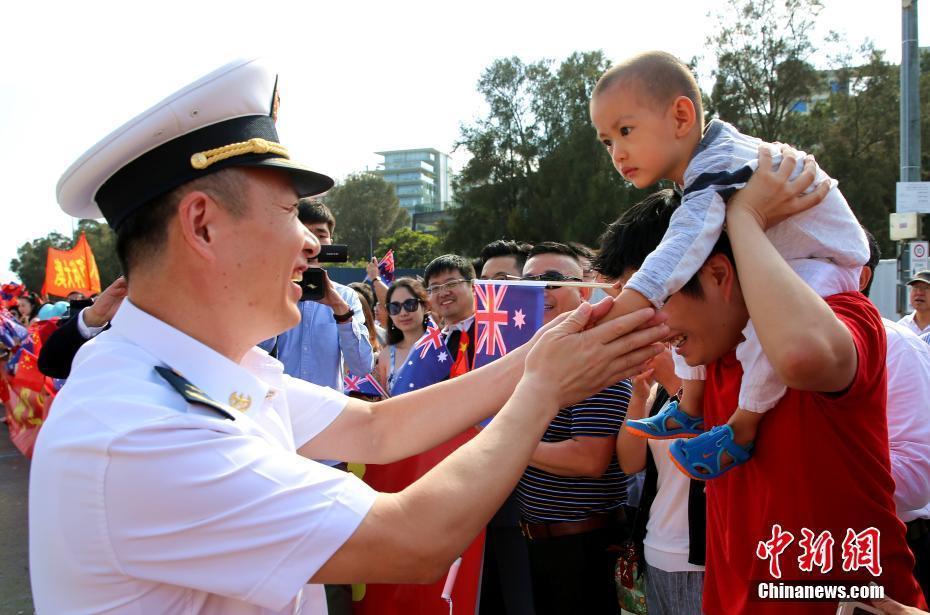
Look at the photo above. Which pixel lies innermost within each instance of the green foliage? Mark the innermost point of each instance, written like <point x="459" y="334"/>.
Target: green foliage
<point x="29" y="264"/>
<point x="537" y="171"/>
<point x="854" y="135"/>
<point x="763" y="66"/>
<point x="412" y="250"/>
<point x="366" y="209"/>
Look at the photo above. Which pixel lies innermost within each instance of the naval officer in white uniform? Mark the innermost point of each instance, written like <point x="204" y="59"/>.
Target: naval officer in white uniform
<point x="173" y="473"/>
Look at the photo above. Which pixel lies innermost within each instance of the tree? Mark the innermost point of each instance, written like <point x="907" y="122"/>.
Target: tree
<point x="854" y="135"/>
<point x="29" y="263"/>
<point x="412" y="249"/>
<point x="763" y="68"/>
<point x="31" y="256"/>
<point x="537" y="171"/>
<point x="366" y="209"/>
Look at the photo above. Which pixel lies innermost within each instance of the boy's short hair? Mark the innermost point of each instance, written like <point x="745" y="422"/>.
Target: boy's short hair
<point x="638" y="231"/>
<point x="449" y="262"/>
<point x="312" y="211"/>
<point x="504" y="247"/>
<point x="660" y="76"/>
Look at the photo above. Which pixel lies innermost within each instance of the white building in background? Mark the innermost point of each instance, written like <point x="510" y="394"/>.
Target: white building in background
<point x="421" y="178"/>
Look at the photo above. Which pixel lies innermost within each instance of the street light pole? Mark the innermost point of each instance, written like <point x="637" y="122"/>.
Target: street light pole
<point x="910" y="131"/>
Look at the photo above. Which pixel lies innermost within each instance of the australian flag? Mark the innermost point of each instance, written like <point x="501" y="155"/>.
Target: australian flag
<point x="428" y="363"/>
<point x="507" y="315"/>
<point x="366" y="385"/>
<point x="386" y="268"/>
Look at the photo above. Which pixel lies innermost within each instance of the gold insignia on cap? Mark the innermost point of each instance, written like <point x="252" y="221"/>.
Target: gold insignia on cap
<point x="202" y="160"/>
<point x="275" y="104"/>
<point x="240" y="401"/>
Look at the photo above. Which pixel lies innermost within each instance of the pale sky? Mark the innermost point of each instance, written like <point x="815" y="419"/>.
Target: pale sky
<point x="355" y="77"/>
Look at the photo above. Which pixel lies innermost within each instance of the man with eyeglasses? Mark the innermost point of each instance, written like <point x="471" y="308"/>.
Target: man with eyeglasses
<point x="448" y="280"/>
<point x="572" y="493"/>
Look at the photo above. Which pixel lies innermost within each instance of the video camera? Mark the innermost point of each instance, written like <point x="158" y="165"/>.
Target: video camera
<point x="313" y="282"/>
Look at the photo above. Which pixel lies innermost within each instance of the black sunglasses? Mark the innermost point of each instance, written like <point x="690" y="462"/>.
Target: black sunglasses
<point x="410" y="305"/>
<point x="550" y="276"/>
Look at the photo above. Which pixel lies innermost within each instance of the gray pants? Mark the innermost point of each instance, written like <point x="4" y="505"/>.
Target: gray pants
<point x="673" y="593"/>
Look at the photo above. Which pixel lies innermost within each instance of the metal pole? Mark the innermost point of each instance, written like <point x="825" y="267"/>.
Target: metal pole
<point x="910" y="128"/>
<point x="910" y="94"/>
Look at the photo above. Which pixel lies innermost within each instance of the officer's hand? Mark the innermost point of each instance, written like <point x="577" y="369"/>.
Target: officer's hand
<point x="103" y="309"/>
<point x="571" y="363"/>
<point x="331" y="298"/>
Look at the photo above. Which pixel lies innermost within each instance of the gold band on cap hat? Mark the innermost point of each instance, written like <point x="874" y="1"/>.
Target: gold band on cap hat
<point x="202" y="160"/>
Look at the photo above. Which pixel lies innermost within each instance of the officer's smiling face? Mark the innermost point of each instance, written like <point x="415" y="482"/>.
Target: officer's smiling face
<point x="270" y="251"/>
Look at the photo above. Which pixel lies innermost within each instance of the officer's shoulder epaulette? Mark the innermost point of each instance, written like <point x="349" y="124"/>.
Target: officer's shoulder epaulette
<point x="190" y="392"/>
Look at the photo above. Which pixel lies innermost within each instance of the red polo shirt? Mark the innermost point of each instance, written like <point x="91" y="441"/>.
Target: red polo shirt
<point x="821" y="464"/>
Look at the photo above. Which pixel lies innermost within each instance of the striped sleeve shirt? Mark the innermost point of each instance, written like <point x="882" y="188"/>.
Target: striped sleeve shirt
<point x="545" y="497"/>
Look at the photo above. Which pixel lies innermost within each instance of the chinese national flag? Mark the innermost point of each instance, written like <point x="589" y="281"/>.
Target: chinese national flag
<point x="72" y="270"/>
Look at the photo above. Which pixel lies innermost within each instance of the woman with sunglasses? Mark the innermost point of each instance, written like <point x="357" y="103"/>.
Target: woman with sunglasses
<point x="407" y="319"/>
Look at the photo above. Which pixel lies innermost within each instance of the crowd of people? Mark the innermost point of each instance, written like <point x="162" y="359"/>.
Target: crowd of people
<point x="729" y="413"/>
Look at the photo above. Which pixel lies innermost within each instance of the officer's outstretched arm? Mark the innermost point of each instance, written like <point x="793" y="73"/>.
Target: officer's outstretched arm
<point x="414" y="535"/>
<point x="414" y="422"/>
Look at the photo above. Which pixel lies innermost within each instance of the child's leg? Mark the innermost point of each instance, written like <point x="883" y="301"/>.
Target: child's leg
<point x="684" y="419"/>
<point x="760" y="388"/>
<point x="692" y="396"/>
<point x="745" y="424"/>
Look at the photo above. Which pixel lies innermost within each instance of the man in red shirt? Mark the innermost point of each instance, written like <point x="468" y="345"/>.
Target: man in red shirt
<point x="814" y="505"/>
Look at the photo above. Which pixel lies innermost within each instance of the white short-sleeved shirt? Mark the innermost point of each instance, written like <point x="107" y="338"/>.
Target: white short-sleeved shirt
<point x="909" y="322"/>
<point x="908" y="412"/>
<point x="140" y="502"/>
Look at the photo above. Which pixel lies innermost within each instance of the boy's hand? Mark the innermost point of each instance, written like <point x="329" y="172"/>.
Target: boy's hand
<point x="772" y="196"/>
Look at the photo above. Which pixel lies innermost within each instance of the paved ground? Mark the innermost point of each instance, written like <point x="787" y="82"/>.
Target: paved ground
<point x="15" y="596"/>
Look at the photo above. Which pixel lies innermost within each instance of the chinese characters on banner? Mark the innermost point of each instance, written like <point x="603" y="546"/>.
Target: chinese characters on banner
<point x="859" y="550"/>
<point x="71" y="270"/>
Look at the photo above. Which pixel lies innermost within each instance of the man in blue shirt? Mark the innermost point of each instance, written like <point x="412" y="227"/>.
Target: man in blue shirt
<point x="331" y="330"/>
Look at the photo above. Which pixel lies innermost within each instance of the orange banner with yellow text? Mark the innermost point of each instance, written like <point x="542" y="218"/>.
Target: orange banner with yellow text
<point x="72" y="270"/>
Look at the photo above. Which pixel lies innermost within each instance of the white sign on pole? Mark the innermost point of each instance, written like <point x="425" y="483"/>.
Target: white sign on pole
<point x="919" y="256"/>
<point x="913" y="197"/>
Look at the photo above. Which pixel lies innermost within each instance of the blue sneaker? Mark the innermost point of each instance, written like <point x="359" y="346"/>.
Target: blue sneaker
<point x="701" y="458"/>
<point x="657" y="427"/>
